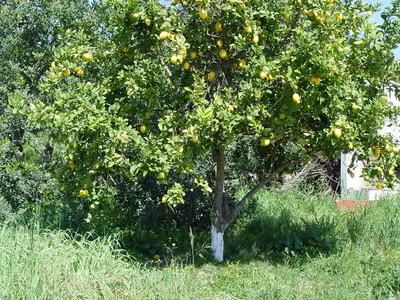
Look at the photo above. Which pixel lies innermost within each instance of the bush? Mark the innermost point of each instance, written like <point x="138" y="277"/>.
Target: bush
<point x="5" y="209"/>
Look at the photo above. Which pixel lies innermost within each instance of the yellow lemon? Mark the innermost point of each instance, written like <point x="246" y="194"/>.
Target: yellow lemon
<point x="163" y="35"/>
<point x="339" y="16"/>
<point x="265" y="142"/>
<point x="350" y="146"/>
<point x="337" y="132"/>
<point x="218" y="27"/>
<point x="83" y="193"/>
<point x="79" y="71"/>
<point x="203" y="13"/>
<point x="376" y="152"/>
<point x="143" y="129"/>
<point x="296" y="98"/>
<point x="316" y="80"/>
<point x="223" y="54"/>
<point x="66" y="73"/>
<point x="186" y="66"/>
<point x="88" y="57"/>
<point x="255" y="39"/>
<point x="211" y="76"/>
<point x="242" y="64"/>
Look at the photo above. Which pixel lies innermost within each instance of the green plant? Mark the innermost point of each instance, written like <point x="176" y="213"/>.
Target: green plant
<point x="5" y="209"/>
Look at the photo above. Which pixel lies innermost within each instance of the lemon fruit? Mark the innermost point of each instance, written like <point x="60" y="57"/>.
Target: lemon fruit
<point x="143" y="129"/>
<point x="242" y="64"/>
<point x="211" y="76"/>
<point x="88" y="57"/>
<point x="296" y="98"/>
<point x="218" y="27"/>
<point x="163" y="35"/>
<point x="337" y="132"/>
<point x="203" y="13"/>
<point x="223" y="54"/>
<point x="265" y="142"/>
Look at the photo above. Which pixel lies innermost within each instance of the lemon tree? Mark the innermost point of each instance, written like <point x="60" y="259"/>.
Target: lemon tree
<point x="158" y="86"/>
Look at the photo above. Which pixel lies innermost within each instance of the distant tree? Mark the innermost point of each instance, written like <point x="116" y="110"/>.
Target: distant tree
<point x="30" y="32"/>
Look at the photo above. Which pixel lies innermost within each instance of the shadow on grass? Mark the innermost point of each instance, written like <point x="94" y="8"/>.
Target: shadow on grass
<point x="276" y="238"/>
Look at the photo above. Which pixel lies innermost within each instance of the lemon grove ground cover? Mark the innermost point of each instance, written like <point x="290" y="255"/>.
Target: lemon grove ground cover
<point x="273" y="255"/>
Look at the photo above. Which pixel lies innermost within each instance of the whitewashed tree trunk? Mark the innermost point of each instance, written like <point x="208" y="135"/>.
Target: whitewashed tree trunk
<point x="217" y="244"/>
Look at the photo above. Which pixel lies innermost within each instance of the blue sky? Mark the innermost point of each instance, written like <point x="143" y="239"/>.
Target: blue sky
<point x="377" y="18"/>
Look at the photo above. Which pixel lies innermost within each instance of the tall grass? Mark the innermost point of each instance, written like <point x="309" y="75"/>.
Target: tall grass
<point x="285" y="246"/>
<point x="56" y="265"/>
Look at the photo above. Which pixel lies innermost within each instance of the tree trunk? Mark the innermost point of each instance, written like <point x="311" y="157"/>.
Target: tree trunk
<point x="217" y="243"/>
<point x="220" y="209"/>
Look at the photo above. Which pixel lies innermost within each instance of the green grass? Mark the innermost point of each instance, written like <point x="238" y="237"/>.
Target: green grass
<point x="284" y="246"/>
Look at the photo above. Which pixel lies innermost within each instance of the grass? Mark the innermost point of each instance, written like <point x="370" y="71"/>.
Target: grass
<point x="284" y="246"/>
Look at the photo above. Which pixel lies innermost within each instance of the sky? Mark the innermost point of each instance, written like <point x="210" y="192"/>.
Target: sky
<point x="377" y="18"/>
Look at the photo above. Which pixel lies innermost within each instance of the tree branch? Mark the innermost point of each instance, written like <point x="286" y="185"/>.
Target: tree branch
<point x="232" y="216"/>
<point x="283" y="95"/>
<point x="166" y="69"/>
